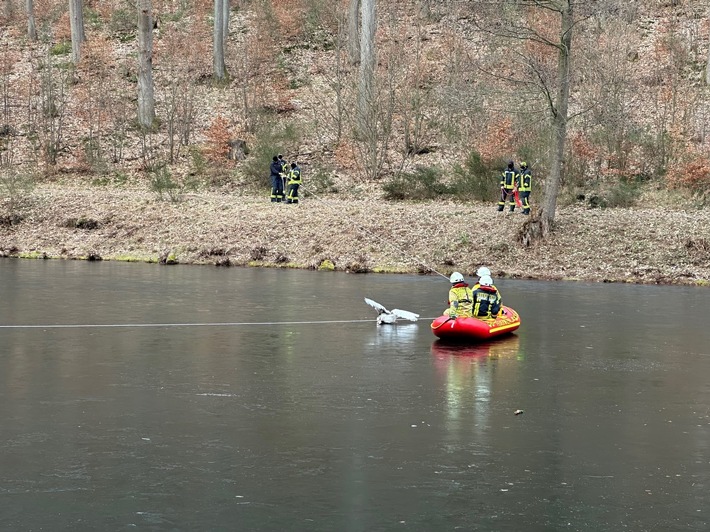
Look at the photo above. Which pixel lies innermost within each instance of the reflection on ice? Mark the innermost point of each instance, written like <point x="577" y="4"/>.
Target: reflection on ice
<point x="469" y="372"/>
<point x="400" y="334"/>
<point x="506" y="347"/>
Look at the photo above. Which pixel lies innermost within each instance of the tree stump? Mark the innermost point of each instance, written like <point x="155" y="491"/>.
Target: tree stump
<point x="535" y="228"/>
<point x="237" y="150"/>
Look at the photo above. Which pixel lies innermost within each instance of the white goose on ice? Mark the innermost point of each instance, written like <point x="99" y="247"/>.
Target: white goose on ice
<point x="390" y="316"/>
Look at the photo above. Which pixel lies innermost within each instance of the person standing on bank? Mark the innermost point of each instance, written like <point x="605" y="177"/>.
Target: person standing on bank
<point x="294" y="181"/>
<point x="285" y="169"/>
<point x="524" y="187"/>
<point x="507" y="187"/>
<point x="277" y="184"/>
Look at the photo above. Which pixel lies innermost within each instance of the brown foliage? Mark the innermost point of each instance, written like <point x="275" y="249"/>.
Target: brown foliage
<point x="289" y="15"/>
<point x="218" y="137"/>
<point x="546" y="24"/>
<point x="62" y="28"/>
<point x="96" y="58"/>
<point x="186" y="48"/>
<point x="499" y="140"/>
<point x="345" y="155"/>
<point x="692" y="173"/>
<point x="582" y="147"/>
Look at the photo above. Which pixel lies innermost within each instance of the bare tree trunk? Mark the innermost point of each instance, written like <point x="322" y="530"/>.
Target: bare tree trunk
<point x="76" y="21"/>
<point x="559" y="120"/>
<point x="353" y="31"/>
<point x="146" y="98"/>
<point x="225" y="23"/>
<point x="707" y="66"/>
<point x="366" y="83"/>
<point x="218" y="40"/>
<point x="31" y="27"/>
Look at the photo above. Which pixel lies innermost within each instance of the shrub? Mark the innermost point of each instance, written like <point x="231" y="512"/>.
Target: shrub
<point x="476" y="179"/>
<point x="16" y="185"/>
<point x="423" y="183"/>
<point x="611" y="195"/>
<point x="318" y="181"/>
<point x="693" y="174"/>
<point x="62" y="48"/>
<point x="269" y="141"/>
<point x="162" y="182"/>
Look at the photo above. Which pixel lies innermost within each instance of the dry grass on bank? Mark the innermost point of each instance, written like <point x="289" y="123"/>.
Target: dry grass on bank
<point x="659" y="244"/>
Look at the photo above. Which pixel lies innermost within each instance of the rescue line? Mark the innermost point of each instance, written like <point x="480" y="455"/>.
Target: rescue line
<point x="159" y="325"/>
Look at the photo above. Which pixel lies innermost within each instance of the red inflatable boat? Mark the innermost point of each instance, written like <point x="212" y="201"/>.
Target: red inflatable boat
<point x="473" y="329"/>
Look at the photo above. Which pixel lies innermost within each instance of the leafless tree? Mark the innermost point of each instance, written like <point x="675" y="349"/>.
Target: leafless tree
<point x="146" y="97"/>
<point x="31" y="27"/>
<point x="218" y="38"/>
<point x="514" y="28"/>
<point x="366" y="80"/>
<point x="353" y="31"/>
<point x="558" y="109"/>
<point x="52" y="105"/>
<point x="76" y="21"/>
<point x="225" y="23"/>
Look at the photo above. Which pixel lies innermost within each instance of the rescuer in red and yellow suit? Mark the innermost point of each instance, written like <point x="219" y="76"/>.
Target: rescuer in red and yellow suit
<point x="460" y="298"/>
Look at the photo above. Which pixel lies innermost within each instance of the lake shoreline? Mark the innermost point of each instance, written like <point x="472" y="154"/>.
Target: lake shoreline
<point x="658" y="245"/>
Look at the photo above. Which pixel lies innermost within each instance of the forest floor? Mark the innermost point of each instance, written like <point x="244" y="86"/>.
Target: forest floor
<point x="653" y="243"/>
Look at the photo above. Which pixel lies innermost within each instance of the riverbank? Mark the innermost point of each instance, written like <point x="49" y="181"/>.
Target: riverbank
<point x="659" y="245"/>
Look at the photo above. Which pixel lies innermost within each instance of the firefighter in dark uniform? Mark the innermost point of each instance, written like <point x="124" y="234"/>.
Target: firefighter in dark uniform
<point x="285" y="169"/>
<point x="507" y="187"/>
<point x="486" y="299"/>
<point x="294" y="181"/>
<point x="277" y="184"/>
<point x="524" y="187"/>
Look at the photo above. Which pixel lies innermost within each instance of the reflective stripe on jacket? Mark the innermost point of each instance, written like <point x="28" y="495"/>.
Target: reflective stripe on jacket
<point x="486" y="302"/>
<point x="294" y="176"/>
<point x="507" y="179"/>
<point x="525" y="178"/>
<point x="461" y="299"/>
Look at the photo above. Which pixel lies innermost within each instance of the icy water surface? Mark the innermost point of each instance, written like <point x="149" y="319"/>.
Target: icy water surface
<point x="278" y="421"/>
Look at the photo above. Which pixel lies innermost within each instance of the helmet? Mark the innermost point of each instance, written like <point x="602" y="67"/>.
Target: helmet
<point x="486" y="281"/>
<point x="293" y="165"/>
<point x="523" y="165"/>
<point x="456" y="277"/>
<point x="511" y="164"/>
<point x="483" y="271"/>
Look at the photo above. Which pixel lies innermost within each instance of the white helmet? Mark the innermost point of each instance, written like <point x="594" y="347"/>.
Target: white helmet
<point x="486" y="280"/>
<point x="456" y="277"/>
<point x="483" y="271"/>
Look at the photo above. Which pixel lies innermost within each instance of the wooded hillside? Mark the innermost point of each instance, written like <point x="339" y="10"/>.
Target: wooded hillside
<point x="446" y="93"/>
